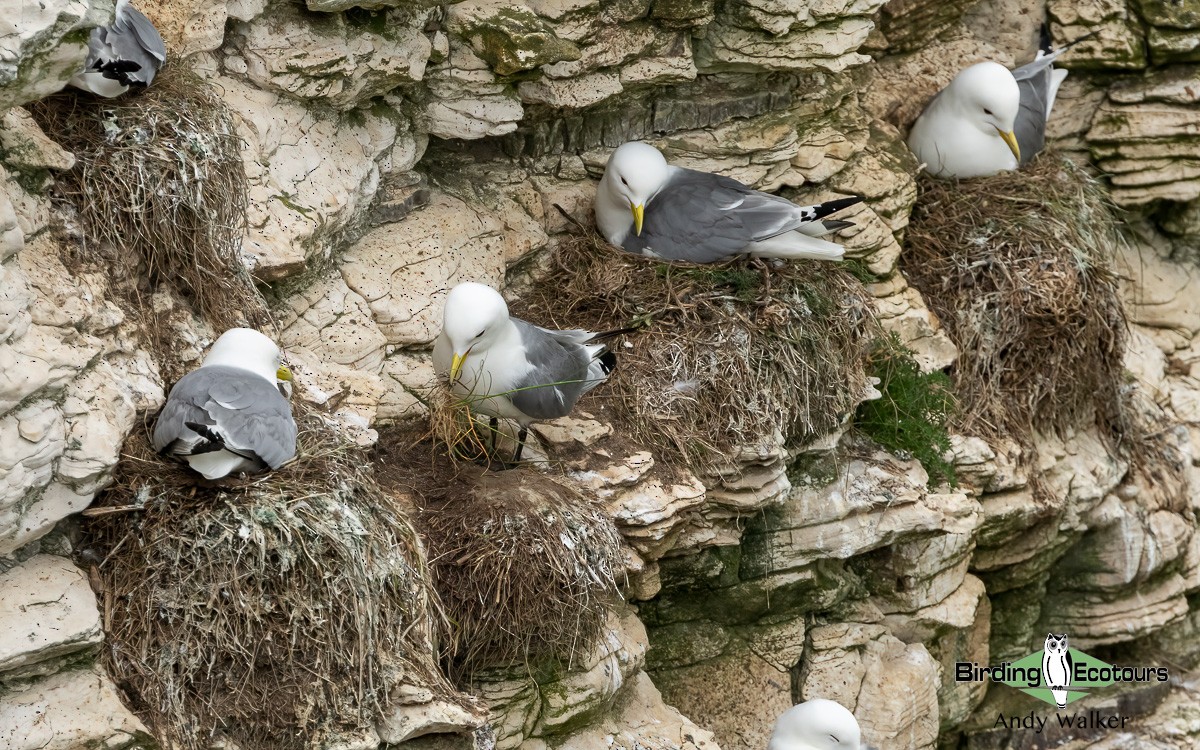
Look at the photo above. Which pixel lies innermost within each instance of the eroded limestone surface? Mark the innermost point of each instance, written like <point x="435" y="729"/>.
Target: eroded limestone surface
<point x="394" y="149"/>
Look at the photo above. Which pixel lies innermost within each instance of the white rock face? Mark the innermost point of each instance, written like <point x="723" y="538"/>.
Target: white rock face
<point x="608" y="686"/>
<point x="71" y="381"/>
<point x="837" y="572"/>
<point x="47" y="611"/>
<point x="42" y="45"/>
<point x="330" y="58"/>
<point x="772" y="35"/>
<point x="467" y="100"/>
<point x="68" y="711"/>
<point x="310" y="173"/>
<point x="191" y="26"/>
<point x="1143" y="136"/>
<point x="419" y="715"/>
<point x="444" y="244"/>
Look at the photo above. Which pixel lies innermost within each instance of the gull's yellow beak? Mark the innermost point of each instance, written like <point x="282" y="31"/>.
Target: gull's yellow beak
<point x="456" y="365"/>
<point x="283" y="374"/>
<point x="1011" y="139"/>
<point x="639" y="213"/>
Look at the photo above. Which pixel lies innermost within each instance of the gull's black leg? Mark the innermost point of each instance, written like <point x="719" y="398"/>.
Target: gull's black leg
<point x="524" y="433"/>
<point x="494" y="426"/>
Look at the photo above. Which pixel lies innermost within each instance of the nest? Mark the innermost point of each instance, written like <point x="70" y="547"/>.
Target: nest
<point x="729" y="356"/>
<point x="277" y="611"/>
<point x="525" y="565"/>
<point x="1018" y="267"/>
<point x="160" y="187"/>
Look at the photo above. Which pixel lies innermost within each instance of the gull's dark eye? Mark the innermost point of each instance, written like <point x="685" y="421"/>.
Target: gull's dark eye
<point x="480" y="334"/>
<point x="623" y="182"/>
<point x="987" y="112"/>
<point x="835" y="739"/>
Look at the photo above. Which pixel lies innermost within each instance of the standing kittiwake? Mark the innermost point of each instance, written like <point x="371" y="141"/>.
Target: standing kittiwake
<point x="651" y="208"/>
<point x="816" y="724"/>
<point x="229" y="416"/>
<point x="989" y="119"/>
<point x="504" y="367"/>
<point x="126" y="53"/>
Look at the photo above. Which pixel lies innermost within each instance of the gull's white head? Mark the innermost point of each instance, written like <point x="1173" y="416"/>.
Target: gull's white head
<point x="473" y="320"/>
<point x="635" y="173"/>
<point x="816" y="724"/>
<point x="247" y="349"/>
<point x="988" y="97"/>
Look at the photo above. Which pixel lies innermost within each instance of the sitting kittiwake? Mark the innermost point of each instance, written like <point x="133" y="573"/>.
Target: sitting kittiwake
<point x="989" y="119"/>
<point x="651" y="208"/>
<point x="816" y="724"/>
<point x="127" y="53"/>
<point x="504" y="367"/>
<point x="229" y="416"/>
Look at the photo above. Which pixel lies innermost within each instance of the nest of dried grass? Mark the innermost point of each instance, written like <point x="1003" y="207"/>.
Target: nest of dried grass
<point x="730" y="354"/>
<point x="160" y="187"/>
<point x="1019" y="269"/>
<point x="525" y="565"/>
<point x="277" y="611"/>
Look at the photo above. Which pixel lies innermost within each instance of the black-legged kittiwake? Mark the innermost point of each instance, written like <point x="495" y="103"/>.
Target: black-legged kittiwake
<point x="651" y="208"/>
<point x="126" y="53"/>
<point x="229" y="416"/>
<point x="816" y="724"/>
<point x="989" y="119"/>
<point x="504" y="367"/>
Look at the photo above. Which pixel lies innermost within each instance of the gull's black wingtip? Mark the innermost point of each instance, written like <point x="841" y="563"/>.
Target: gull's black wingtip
<point x="834" y="225"/>
<point x="608" y="361"/>
<point x="821" y="210"/>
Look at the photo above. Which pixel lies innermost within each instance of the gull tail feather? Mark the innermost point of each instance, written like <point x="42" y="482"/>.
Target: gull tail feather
<point x="796" y="245"/>
<point x="213" y="441"/>
<point x="824" y="227"/>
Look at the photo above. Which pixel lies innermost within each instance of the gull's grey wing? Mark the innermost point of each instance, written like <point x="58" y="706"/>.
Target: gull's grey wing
<point x="559" y="375"/>
<point x="702" y="218"/>
<point x="1039" y="82"/>
<point x="97" y="47"/>
<point x="244" y="409"/>
<point x="1030" y="126"/>
<point x="133" y="21"/>
<point x="1036" y="81"/>
<point x="131" y="49"/>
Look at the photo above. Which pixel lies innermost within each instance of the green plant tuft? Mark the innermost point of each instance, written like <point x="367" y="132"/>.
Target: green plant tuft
<point x="912" y="415"/>
<point x="744" y="284"/>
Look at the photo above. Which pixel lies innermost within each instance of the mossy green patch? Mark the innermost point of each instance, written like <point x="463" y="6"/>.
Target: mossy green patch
<point x="514" y="39"/>
<point x="742" y="282"/>
<point x="911" y="417"/>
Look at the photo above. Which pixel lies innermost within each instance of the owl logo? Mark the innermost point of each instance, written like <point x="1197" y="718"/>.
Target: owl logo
<point x="1056" y="667"/>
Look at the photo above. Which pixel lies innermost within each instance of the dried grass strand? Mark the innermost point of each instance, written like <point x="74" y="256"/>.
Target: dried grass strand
<point x="525" y="565"/>
<point x="160" y="186"/>
<point x="730" y="356"/>
<point x="1018" y="267"/>
<point x="276" y="611"/>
